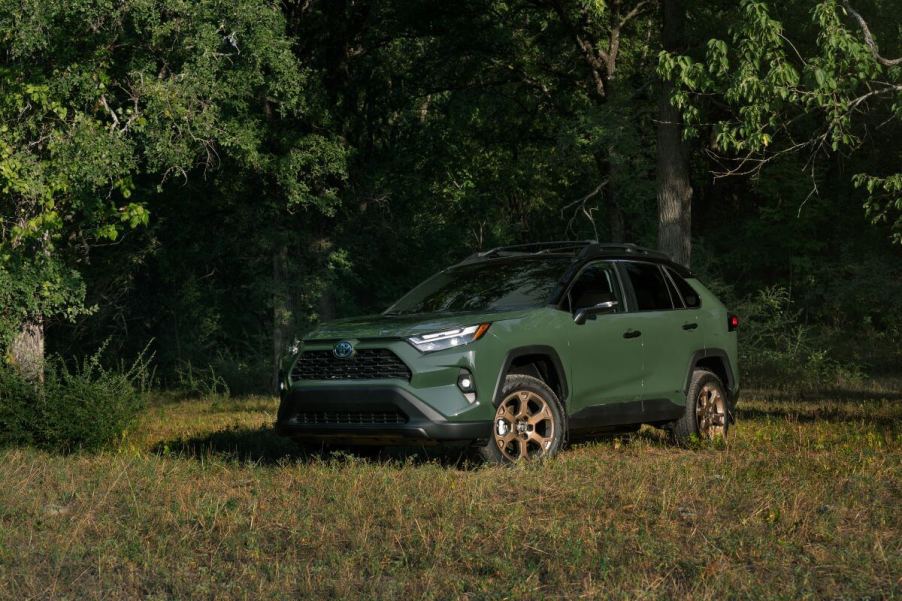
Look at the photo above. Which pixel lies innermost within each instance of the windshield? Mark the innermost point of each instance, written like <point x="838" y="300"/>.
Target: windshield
<point x="487" y="286"/>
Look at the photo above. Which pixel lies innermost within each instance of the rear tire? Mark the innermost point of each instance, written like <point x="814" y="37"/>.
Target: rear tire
<point x="529" y="422"/>
<point x="706" y="416"/>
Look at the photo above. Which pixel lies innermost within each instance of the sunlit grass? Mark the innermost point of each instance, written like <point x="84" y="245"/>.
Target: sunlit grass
<point x="203" y="501"/>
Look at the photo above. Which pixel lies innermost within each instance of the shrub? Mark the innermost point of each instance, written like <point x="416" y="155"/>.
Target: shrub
<point x="777" y="351"/>
<point x="84" y="407"/>
<point x="18" y="408"/>
<point x="202" y="382"/>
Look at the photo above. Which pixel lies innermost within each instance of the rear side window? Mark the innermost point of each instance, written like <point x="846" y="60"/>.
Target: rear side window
<point x="649" y="286"/>
<point x="690" y="296"/>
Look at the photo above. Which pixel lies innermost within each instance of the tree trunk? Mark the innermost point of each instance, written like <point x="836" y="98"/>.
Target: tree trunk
<point x="27" y="350"/>
<point x="281" y="310"/>
<point x="674" y="186"/>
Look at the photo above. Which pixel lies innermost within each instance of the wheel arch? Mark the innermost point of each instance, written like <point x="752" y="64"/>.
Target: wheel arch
<point x="541" y="361"/>
<point x="716" y="361"/>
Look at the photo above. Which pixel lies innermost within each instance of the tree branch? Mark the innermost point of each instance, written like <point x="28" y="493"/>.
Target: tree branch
<point x="633" y="13"/>
<point x="115" y="124"/>
<point x="862" y="98"/>
<point x="869" y="39"/>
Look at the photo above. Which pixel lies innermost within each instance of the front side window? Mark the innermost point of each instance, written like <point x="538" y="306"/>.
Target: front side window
<point x="486" y="286"/>
<point x="596" y="283"/>
<point x="649" y="286"/>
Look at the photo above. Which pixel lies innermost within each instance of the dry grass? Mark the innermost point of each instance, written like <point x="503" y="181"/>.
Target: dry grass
<point x="204" y="502"/>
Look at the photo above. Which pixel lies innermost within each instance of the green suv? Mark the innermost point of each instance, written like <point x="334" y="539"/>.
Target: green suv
<point x="518" y="350"/>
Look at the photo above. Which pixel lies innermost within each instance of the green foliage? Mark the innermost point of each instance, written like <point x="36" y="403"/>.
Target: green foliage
<point x="86" y="407"/>
<point x="101" y="102"/>
<point x="38" y="287"/>
<point x="794" y="85"/>
<point x="777" y="351"/>
<point x="884" y="203"/>
<point x="18" y="408"/>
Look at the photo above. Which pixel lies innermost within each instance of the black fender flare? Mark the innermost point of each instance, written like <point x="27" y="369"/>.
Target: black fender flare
<point x="537" y="349"/>
<point x="704" y="354"/>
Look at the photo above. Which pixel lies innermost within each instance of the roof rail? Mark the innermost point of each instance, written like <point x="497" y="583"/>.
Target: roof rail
<point x="578" y="249"/>
<point x="538" y="247"/>
<point x="621" y="247"/>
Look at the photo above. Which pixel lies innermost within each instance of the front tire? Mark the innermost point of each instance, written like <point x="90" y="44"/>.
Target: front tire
<point x="707" y="410"/>
<point x="529" y="423"/>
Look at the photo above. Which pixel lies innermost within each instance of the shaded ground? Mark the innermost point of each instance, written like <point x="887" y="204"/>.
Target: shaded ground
<point x="204" y="501"/>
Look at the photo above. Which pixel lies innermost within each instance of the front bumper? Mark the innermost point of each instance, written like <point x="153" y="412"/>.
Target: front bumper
<point x="370" y="412"/>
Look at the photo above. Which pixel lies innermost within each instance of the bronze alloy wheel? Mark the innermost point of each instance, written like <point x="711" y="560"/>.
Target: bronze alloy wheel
<point x="710" y="412"/>
<point x="524" y="426"/>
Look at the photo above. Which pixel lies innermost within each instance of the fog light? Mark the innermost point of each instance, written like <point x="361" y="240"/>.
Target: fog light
<point x="467" y="385"/>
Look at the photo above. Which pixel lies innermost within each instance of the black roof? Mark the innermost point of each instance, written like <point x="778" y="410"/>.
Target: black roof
<point x="579" y="251"/>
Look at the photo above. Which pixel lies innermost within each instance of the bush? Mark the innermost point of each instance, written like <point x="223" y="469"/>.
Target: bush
<point x="86" y="407"/>
<point x="19" y="401"/>
<point x="777" y="351"/>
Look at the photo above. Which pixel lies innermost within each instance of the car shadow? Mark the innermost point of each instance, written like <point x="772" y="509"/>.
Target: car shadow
<point x="262" y="446"/>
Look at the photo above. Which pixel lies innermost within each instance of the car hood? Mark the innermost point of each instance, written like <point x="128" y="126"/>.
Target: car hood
<point x="403" y="326"/>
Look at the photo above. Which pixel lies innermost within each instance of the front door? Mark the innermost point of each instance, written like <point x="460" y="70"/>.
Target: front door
<point x="605" y="356"/>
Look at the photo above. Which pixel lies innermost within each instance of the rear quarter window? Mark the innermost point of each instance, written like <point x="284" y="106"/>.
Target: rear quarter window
<point x="690" y="296"/>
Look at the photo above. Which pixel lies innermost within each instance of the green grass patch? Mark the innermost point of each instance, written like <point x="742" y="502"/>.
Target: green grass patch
<point x="203" y="501"/>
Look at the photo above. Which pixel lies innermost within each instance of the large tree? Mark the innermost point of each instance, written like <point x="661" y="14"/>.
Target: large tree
<point x="674" y="188"/>
<point x="104" y="103"/>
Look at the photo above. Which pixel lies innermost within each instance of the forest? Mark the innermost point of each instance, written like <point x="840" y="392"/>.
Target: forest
<point x="189" y="186"/>
<point x="206" y="180"/>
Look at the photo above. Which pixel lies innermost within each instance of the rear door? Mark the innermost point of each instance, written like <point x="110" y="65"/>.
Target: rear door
<point x="605" y="364"/>
<point x="670" y="334"/>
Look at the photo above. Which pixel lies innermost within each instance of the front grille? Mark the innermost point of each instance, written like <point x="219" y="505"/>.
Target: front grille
<point x="351" y="417"/>
<point x="365" y="364"/>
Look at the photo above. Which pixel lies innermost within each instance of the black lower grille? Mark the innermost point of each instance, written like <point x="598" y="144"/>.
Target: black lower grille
<point x="351" y="417"/>
<point x="365" y="364"/>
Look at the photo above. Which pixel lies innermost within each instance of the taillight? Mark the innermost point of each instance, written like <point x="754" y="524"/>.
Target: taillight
<point x="732" y="323"/>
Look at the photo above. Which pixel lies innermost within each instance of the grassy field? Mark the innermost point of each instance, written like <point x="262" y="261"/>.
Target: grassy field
<point x="204" y="502"/>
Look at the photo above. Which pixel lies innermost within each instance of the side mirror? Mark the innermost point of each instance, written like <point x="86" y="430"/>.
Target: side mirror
<point x="586" y="312"/>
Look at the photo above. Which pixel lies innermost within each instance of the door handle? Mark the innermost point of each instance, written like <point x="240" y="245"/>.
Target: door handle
<point x="632" y="334"/>
<point x="690" y="326"/>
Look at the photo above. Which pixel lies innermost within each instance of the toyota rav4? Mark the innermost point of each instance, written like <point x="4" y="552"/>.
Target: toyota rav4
<point x="519" y="349"/>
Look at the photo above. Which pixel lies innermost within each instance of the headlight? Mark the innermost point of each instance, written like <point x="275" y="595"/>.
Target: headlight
<point x="449" y="338"/>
